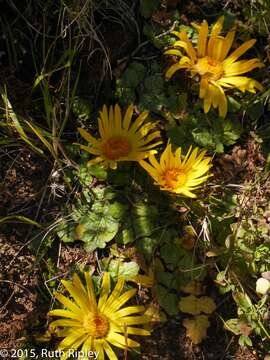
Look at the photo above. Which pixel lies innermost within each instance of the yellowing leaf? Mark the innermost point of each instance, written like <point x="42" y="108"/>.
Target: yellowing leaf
<point x="188" y="240"/>
<point x="193" y="287"/>
<point x="144" y="280"/>
<point x="79" y="231"/>
<point x="197" y="328"/>
<point x="195" y="305"/>
<point x="155" y="316"/>
<point x="207" y="305"/>
<point x="190" y="305"/>
<point x="215" y="252"/>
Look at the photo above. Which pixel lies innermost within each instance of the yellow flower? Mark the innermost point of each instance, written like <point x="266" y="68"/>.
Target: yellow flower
<point x="121" y="139"/>
<point x="211" y="62"/>
<point x="93" y="326"/>
<point x="179" y="175"/>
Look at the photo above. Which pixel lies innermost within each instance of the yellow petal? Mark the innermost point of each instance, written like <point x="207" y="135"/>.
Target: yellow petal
<point x="207" y="101"/>
<point x="99" y="348"/>
<point x="238" y="52"/>
<point x="227" y="43"/>
<point x="77" y="295"/>
<point x="218" y="49"/>
<point x="174" y="52"/>
<point x="88" y="137"/>
<point x="150" y="169"/>
<point x="241" y="67"/>
<point x="114" y="295"/>
<point x="172" y="69"/>
<point x="214" y="34"/>
<point x="91" y="150"/>
<point x="74" y="340"/>
<point x="189" y="47"/>
<point x="65" y="314"/>
<point x="203" y="88"/>
<point x="222" y="102"/>
<point x="105" y="290"/>
<point x="134" y="320"/>
<point x="86" y="348"/>
<point x="64" y="323"/>
<point x="202" y="39"/>
<point x="139" y="121"/>
<point x="115" y="302"/>
<point x="67" y="303"/>
<point x="95" y="161"/>
<point x="103" y="122"/>
<point x="127" y="118"/>
<point x="117" y="119"/>
<point x="109" y="351"/>
<point x="138" y="331"/>
<point x="241" y="82"/>
<point x="121" y="341"/>
<point x="128" y="311"/>
<point x="90" y="290"/>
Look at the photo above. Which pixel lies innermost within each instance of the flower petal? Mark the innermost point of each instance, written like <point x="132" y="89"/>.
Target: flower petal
<point x="238" y="52"/>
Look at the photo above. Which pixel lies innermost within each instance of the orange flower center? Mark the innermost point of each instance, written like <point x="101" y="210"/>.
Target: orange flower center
<point x="174" y="178"/>
<point x="210" y="68"/>
<point x="96" y="325"/>
<point x="116" y="147"/>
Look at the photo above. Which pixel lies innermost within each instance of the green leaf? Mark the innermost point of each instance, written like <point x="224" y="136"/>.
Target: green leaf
<point x="145" y="210"/>
<point x="210" y="133"/>
<point x="154" y="84"/>
<point x="117" y="210"/>
<point x="167" y="301"/>
<point x="243" y="301"/>
<point x="84" y="175"/>
<point x="167" y="279"/>
<point x="133" y="75"/>
<point x="142" y="226"/>
<point x="126" y="269"/>
<point x="232" y="325"/>
<point x="170" y="253"/>
<point x="126" y="235"/>
<point x="244" y="341"/>
<point x="66" y="232"/>
<point x="99" y="229"/>
<point x="98" y="171"/>
<point x="146" y="246"/>
<point x="256" y="110"/>
<point x="81" y="107"/>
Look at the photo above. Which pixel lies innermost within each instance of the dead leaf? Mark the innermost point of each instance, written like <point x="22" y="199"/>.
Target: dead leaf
<point x="197" y="328"/>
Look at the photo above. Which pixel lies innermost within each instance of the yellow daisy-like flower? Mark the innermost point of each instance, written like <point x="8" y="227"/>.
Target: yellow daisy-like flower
<point x="93" y="326"/>
<point x="179" y="175"/>
<point x="121" y="139"/>
<point x="217" y="69"/>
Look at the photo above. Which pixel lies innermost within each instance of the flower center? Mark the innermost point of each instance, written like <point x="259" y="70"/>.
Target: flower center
<point x="96" y="325"/>
<point x="210" y="68"/>
<point x="174" y="178"/>
<point x="116" y="147"/>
